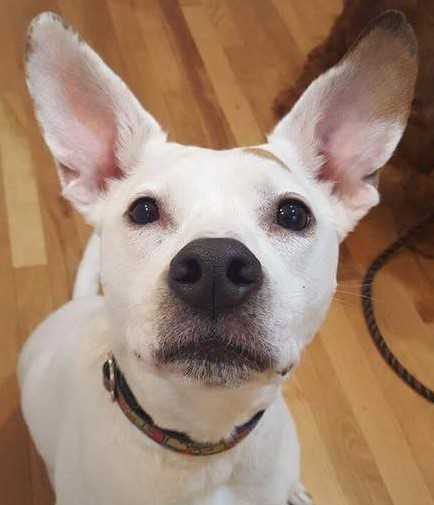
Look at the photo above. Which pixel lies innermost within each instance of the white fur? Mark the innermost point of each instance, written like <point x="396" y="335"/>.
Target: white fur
<point x="93" y="454"/>
<point x="87" y="279"/>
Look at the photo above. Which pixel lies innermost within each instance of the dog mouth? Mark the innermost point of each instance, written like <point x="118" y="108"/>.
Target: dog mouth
<point x="214" y="350"/>
<point x="227" y="351"/>
<point x="213" y="361"/>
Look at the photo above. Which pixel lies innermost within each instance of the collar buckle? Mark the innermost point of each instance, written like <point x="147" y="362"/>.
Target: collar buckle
<point x="111" y="379"/>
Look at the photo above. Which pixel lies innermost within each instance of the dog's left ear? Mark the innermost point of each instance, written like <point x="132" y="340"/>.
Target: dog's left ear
<point x="349" y="121"/>
<point x="92" y="123"/>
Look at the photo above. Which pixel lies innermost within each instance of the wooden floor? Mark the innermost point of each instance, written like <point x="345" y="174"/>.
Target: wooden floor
<point x="209" y="70"/>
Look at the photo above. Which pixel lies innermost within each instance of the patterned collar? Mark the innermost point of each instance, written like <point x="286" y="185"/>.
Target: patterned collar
<point x="117" y="386"/>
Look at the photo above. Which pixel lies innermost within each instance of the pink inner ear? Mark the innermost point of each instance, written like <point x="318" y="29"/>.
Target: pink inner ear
<point x="351" y="154"/>
<point x="90" y="143"/>
<point x="343" y="156"/>
<point x="351" y="142"/>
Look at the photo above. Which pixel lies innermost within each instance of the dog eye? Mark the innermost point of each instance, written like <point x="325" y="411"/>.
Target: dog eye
<point x="144" y="211"/>
<point x="293" y="215"/>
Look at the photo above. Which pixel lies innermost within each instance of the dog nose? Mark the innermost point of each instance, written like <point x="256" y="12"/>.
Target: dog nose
<point x="214" y="274"/>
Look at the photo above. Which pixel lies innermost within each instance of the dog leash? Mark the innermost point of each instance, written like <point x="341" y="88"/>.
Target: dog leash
<point x="369" y="313"/>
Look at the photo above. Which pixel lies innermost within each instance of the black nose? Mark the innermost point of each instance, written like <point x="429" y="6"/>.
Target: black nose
<point x="214" y="274"/>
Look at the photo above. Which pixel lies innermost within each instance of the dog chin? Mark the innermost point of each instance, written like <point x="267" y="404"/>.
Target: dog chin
<point x="229" y="375"/>
<point x="228" y="351"/>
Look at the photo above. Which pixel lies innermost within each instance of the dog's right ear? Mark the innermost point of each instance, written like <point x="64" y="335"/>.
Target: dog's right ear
<point x="92" y="123"/>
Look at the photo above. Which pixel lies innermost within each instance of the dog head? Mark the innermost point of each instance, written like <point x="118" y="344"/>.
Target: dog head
<point x="219" y="266"/>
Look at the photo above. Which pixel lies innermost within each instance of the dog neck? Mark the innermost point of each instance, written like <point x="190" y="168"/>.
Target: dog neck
<point x="120" y="392"/>
<point x="204" y="413"/>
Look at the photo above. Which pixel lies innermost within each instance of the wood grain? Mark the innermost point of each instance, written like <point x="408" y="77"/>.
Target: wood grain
<point x="22" y="199"/>
<point x="209" y="71"/>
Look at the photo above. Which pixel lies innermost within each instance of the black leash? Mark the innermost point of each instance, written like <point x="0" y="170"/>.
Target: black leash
<point x="368" y="311"/>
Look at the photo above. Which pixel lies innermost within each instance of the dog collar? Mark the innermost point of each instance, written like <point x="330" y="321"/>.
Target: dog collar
<point x="120" y="392"/>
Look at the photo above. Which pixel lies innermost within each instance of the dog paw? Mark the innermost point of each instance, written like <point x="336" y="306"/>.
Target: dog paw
<point x="300" y="496"/>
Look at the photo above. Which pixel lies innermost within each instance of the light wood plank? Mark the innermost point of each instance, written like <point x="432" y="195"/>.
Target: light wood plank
<point x="315" y="455"/>
<point x="232" y="100"/>
<point x="22" y="199"/>
<point x="383" y="433"/>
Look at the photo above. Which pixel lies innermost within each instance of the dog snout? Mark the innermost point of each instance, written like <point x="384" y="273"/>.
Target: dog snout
<point x="214" y="274"/>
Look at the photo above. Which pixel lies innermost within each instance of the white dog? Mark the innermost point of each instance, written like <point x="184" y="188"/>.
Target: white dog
<point x="217" y="268"/>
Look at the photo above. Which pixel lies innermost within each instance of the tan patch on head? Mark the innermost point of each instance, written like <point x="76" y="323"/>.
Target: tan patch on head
<point x="262" y="153"/>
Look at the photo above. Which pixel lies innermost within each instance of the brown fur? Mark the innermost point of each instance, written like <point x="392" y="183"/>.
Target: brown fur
<point x="262" y="153"/>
